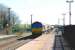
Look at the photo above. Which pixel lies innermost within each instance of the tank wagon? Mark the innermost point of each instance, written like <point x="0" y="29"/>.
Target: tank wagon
<point x="69" y="35"/>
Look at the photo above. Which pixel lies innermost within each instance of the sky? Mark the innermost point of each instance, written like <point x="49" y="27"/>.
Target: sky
<point x="45" y="11"/>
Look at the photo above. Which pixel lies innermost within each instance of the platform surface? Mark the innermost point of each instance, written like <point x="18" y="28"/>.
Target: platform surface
<point x="44" y="42"/>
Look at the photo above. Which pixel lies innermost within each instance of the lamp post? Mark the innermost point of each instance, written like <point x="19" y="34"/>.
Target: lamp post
<point x="9" y="16"/>
<point x="63" y="19"/>
<point x="31" y="18"/>
<point x="58" y="21"/>
<point x="8" y="22"/>
<point x="31" y="22"/>
<point x="69" y="1"/>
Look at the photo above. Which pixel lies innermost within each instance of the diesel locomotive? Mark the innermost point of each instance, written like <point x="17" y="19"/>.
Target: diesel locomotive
<point x="37" y="28"/>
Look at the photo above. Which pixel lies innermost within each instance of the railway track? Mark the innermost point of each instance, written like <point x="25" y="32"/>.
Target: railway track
<point x="15" y="43"/>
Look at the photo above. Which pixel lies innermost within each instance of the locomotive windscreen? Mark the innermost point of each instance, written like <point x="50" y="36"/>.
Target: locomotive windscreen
<point x="36" y="25"/>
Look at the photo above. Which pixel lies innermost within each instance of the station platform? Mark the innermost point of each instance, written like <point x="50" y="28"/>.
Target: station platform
<point x="44" y="42"/>
<point x="6" y="36"/>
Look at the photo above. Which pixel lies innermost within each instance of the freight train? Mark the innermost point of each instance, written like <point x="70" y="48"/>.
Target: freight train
<point x="69" y="35"/>
<point x="37" y="29"/>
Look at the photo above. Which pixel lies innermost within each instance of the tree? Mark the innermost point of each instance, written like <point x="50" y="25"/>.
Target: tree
<point x="7" y="19"/>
